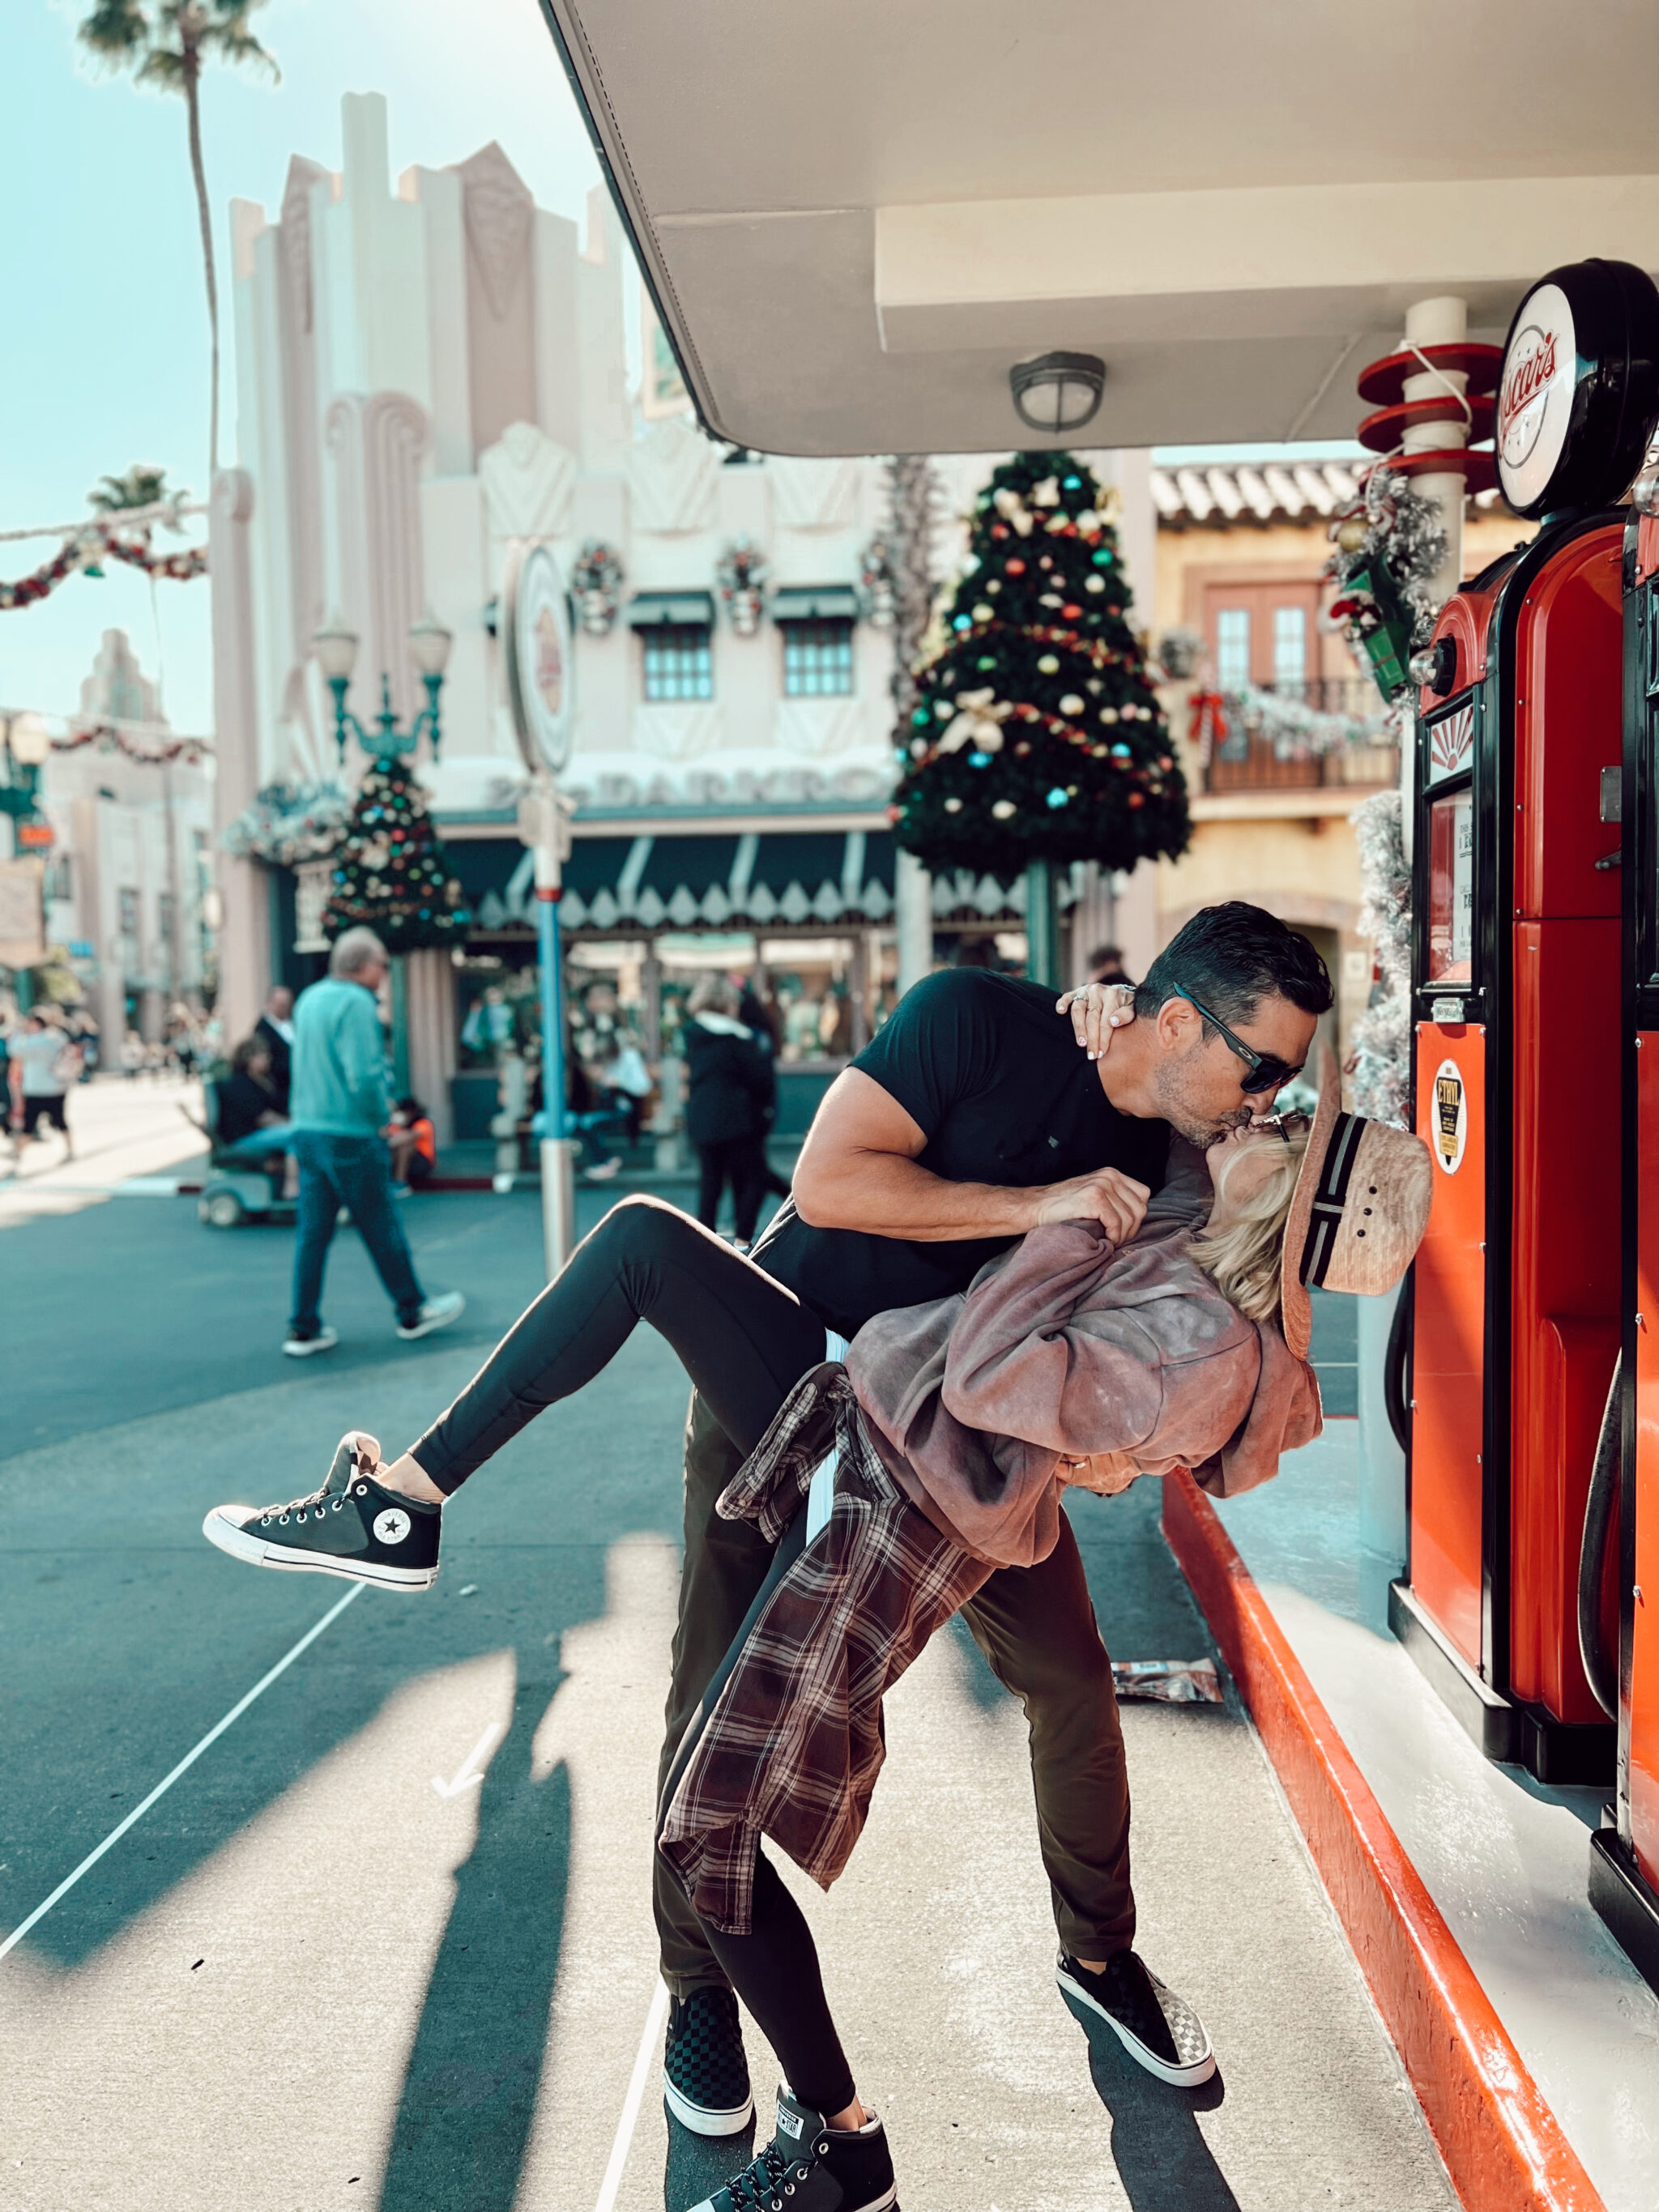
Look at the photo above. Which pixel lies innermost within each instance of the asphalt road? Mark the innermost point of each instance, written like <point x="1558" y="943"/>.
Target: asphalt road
<point x="387" y="1941"/>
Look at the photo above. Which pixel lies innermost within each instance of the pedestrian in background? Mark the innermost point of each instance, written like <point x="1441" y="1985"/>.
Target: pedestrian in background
<point x="1106" y="965"/>
<point x="757" y="1009"/>
<point x="340" y="1107"/>
<point x="42" y="1063"/>
<point x="414" y="1144"/>
<point x="729" y="1088"/>
<point x="275" y="1029"/>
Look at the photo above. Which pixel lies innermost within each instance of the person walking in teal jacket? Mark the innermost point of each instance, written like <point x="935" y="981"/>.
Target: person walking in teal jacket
<point x="339" y="1107"/>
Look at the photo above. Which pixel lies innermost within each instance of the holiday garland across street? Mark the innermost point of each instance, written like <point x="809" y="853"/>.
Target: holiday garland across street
<point x="1035" y="733"/>
<point x="98" y="542"/>
<point x="390" y="872"/>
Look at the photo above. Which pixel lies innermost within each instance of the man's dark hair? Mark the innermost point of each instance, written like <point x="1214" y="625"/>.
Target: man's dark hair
<point x="1232" y="956"/>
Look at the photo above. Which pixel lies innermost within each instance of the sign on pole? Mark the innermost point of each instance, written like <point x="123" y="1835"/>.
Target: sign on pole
<point x="535" y="630"/>
<point x="22" y="914"/>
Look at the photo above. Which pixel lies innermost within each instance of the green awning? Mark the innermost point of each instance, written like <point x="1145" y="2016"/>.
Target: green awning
<point x="649" y="609"/>
<point x="815" y="603"/>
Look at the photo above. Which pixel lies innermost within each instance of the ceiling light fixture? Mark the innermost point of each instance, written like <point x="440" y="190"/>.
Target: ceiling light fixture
<point x="1058" y="393"/>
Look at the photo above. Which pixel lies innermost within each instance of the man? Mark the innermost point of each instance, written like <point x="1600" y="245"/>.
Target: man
<point x="275" y="1030"/>
<point x="43" y="1063"/>
<point x="339" y="1109"/>
<point x="971" y="1118"/>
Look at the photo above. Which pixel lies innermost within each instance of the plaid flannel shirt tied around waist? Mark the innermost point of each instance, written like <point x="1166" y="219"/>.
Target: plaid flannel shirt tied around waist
<point x="793" y="1746"/>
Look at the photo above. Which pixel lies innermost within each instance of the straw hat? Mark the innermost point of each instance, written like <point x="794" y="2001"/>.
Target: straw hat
<point x="1357" y="1213"/>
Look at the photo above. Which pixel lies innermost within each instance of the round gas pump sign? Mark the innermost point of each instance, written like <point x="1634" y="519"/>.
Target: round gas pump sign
<point x="1451" y="1116"/>
<point x="1578" y="391"/>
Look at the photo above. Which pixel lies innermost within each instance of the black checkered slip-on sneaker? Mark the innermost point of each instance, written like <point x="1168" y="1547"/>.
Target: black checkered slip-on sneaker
<point x="812" y="2168"/>
<point x="705" y="2070"/>
<point x="1159" y="2030"/>
<point x="352" y="1526"/>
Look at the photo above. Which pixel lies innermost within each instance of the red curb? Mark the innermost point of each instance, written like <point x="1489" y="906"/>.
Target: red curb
<point x="1502" y="2146"/>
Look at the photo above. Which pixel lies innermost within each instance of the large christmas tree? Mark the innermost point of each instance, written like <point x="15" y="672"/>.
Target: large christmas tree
<point x="390" y="872"/>
<point x="1035" y="733"/>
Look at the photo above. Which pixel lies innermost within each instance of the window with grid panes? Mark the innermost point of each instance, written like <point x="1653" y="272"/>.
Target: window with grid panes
<point x="817" y="659"/>
<point x="678" y="664"/>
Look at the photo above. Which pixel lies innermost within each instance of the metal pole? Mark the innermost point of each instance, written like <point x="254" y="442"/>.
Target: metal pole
<point x="400" y="1024"/>
<point x="1042" y="924"/>
<point x="558" y="1171"/>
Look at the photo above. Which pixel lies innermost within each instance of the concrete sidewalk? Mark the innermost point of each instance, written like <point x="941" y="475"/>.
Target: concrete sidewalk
<point x="331" y="1967"/>
<point x="121" y="1130"/>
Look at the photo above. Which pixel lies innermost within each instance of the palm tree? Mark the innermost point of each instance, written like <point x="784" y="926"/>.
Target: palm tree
<point x="165" y="44"/>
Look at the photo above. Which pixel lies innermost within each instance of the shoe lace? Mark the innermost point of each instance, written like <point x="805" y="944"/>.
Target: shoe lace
<point x="759" y="2188"/>
<point x="318" y="1498"/>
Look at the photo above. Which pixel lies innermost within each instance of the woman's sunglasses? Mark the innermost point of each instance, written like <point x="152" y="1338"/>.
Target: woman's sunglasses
<point x="1262" y="1070"/>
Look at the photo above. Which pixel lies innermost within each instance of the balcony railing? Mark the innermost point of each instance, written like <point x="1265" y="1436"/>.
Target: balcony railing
<point x="1264" y="750"/>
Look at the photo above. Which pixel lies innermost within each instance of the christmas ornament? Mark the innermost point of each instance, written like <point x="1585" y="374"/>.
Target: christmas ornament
<point x="741" y="576"/>
<point x="1386" y="552"/>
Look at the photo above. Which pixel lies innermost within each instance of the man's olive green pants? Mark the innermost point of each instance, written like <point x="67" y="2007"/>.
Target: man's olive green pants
<point x="1036" y="1628"/>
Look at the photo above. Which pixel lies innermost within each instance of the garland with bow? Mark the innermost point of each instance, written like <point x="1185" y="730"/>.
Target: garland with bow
<point x="80" y="555"/>
<point x="110" y="738"/>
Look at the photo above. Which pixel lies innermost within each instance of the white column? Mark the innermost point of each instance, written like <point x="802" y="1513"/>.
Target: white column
<point x="913" y="911"/>
<point x="245" y="936"/>
<point x="1431" y="323"/>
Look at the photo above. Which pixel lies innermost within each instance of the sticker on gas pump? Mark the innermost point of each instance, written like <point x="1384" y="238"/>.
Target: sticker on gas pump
<point x="1451" y="1116"/>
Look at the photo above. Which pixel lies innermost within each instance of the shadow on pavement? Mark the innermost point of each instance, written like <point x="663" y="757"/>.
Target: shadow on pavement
<point x="697" y="2164"/>
<point x="1158" y="2149"/>
<point x="469" y="2097"/>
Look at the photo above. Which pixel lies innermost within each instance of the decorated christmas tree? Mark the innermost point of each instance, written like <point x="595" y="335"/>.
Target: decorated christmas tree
<point x="1035" y="734"/>
<point x="390" y="870"/>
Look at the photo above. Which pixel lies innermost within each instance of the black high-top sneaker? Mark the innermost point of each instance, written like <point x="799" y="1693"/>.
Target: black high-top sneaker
<point x="812" y="2168"/>
<point x="705" y="2070"/>
<point x="351" y="1526"/>
<point x="1159" y="2030"/>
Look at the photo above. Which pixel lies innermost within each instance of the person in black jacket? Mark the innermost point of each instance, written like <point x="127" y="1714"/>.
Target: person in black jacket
<point x="729" y="1090"/>
<point x="275" y="1030"/>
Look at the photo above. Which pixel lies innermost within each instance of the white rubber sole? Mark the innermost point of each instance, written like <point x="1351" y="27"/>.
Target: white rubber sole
<point x="1192" y="2076"/>
<point x="698" y="2118"/>
<point x="259" y="1551"/>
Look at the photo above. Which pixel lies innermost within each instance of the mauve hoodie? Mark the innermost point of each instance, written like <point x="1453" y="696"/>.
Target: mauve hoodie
<point x="1071" y="1361"/>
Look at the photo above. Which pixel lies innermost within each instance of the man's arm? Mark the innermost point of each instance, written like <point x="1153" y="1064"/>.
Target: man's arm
<point x="858" y="1169"/>
<point x="363" y="1060"/>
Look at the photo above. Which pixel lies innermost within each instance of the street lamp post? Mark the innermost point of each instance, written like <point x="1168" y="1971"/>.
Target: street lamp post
<point x="337" y="655"/>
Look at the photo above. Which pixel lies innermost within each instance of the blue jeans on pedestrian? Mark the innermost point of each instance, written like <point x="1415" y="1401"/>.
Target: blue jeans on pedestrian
<point x="355" y="1172"/>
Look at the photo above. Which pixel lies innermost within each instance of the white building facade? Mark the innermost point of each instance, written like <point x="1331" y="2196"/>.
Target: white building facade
<point x="428" y="370"/>
<point x="129" y="872"/>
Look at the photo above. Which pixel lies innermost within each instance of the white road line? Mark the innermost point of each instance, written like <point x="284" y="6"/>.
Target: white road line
<point x="186" y="1762"/>
<point x="465" y="1775"/>
<point x="630" y="2112"/>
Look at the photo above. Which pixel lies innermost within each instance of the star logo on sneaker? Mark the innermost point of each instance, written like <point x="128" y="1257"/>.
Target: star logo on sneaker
<point x="393" y="1525"/>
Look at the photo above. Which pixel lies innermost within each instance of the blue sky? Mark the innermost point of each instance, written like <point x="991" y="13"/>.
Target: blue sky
<point x="104" y="358"/>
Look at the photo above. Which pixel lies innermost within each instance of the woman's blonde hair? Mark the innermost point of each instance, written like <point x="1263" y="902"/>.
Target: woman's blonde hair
<point x="1243" y="1258"/>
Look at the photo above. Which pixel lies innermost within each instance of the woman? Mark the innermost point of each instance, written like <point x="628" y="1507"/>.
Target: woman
<point x="250" y="1126"/>
<point x="957" y="1426"/>
<point x="729" y="1090"/>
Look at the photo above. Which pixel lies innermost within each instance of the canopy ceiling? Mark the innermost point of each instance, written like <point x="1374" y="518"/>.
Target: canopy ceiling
<point x="856" y="217"/>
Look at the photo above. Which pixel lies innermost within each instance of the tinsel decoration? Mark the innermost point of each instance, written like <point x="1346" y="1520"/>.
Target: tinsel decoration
<point x="596" y="584"/>
<point x="741" y="575"/>
<point x="913" y="491"/>
<point x="1385" y="552"/>
<point x="877" y="584"/>
<point x="391" y="870"/>
<point x="1179" y="652"/>
<point x="289" y="823"/>
<point x="1380" y="1062"/>
<point x="1036" y="734"/>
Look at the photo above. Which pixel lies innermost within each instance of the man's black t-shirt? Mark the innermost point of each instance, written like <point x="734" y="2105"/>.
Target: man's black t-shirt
<point x="994" y="1079"/>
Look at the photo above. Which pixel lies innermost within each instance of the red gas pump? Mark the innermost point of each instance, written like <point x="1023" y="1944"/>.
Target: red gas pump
<point x="1516" y="983"/>
<point x="1623" y="1872"/>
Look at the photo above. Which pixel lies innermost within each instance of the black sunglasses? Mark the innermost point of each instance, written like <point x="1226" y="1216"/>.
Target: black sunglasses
<point x="1262" y="1070"/>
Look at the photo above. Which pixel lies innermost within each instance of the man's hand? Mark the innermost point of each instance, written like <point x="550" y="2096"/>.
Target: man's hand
<point x="1095" y="1010"/>
<point x="1117" y="1201"/>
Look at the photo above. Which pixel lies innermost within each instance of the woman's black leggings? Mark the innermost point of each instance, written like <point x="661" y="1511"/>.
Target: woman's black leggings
<point x="745" y="1342"/>
<point x="743" y="1339"/>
